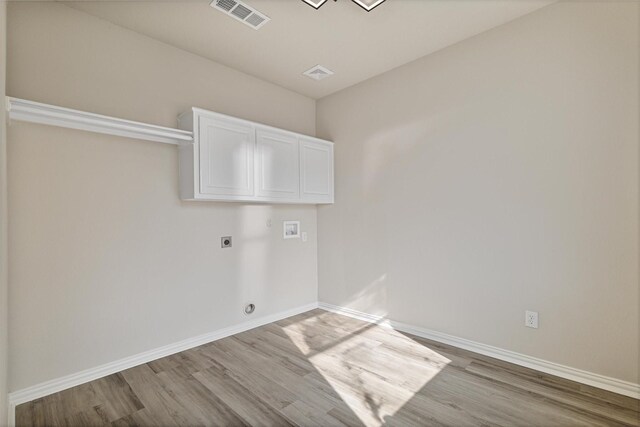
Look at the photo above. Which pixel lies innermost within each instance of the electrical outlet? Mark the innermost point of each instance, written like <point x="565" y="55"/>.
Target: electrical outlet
<point x="531" y="319"/>
<point x="304" y="236"/>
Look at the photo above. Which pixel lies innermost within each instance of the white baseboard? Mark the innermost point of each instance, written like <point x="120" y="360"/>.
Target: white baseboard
<point x="53" y="386"/>
<point x="596" y="380"/>
<point x="44" y="389"/>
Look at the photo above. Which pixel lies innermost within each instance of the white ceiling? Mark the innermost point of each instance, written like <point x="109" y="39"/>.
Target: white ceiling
<point x="355" y="44"/>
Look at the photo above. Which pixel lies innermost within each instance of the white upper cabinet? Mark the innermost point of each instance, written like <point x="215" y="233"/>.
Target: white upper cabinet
<point x="316" y="171"/>
<point x="277" y="165"/>
<point x="226" y="152"/>
<point x="236" y="160"/>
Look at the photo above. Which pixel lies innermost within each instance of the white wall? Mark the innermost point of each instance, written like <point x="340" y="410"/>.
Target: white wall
<point x="495" y="176"/>
<point x="4" y="328"/>
<point x="105" y="260"/>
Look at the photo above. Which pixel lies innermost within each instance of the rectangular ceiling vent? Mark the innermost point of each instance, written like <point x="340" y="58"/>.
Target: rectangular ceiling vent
<point x="318" y="72"/>
<point x="241" y="12"/>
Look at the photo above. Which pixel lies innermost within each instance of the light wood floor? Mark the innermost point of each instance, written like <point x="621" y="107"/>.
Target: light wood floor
<point x="323" y="369"/>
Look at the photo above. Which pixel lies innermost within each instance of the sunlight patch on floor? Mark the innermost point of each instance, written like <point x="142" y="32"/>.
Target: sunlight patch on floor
<point x="393" y="374"/>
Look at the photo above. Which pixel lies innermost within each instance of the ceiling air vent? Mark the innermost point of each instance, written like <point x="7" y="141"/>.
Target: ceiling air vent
<point x="241" y="12"/>
<point x="318" y="72"/>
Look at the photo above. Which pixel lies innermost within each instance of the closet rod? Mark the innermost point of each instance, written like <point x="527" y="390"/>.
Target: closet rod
<point x="36" y="112"/>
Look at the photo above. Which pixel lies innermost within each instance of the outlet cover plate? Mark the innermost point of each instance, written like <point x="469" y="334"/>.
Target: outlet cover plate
<point x="531" y="319"/>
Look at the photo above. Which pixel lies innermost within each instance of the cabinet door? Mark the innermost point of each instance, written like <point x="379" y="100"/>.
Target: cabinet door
<point x="226" y="157"/>
<point x="316" y="171"/>
<point x="277" y="165"/>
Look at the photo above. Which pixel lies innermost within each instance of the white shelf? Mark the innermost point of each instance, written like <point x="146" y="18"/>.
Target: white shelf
<point x="29" y="111"/>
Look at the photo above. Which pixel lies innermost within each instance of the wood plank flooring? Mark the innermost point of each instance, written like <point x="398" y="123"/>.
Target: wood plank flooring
<point x="323" y="369"/>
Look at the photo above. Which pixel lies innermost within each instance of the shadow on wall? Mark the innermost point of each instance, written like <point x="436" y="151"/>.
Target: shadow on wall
<point x="372" y="298"/>
<point x="256" y="245"/>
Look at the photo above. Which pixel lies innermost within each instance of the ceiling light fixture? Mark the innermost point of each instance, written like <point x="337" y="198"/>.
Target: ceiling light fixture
<point x="315" y="3"/>
<point x="367" y="5"/>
